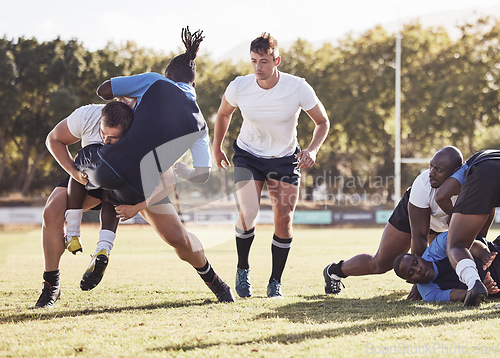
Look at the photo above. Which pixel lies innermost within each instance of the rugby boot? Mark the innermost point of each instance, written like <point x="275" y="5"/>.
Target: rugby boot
<point x="221" y="290"/>
<point x="476" y="295"/>
<point x="274" y="289"/>
<point x="73" y="244"/>
<point x="332" y="282"/>
<point x="243" y="286"/>
<point x="50" y="294"/>
<point x="95" y="271"/>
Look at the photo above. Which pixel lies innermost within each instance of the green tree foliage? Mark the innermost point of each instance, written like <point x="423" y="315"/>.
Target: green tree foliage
<point x="450" y="96"/>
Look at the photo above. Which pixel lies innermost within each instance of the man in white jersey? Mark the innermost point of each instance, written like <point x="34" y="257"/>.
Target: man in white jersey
<point x="84" y="125"/>
<point x="267" y="152"/>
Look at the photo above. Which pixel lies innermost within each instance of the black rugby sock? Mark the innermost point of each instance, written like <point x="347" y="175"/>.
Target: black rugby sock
<point x="244" y="240"/>
<point x="207" y="273"/>
<point x="336" y="269"/>
<point x="52" y="277"/>
<point x="279" y="249"/>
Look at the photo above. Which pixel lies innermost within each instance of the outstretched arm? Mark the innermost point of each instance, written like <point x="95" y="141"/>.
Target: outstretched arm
<point x="197" y="175"/>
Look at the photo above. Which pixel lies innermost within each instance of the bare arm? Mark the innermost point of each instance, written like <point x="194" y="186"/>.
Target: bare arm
<point x="57" y="142"/>
<point x="220" y="128"/>
<point x="449" y="188"/>
<point x="198" y="175"/>
<point x="320" y="118"/>
<point x="419" y="226"/>
<point x="105" y="91"/>
<point x="125" y="212"/>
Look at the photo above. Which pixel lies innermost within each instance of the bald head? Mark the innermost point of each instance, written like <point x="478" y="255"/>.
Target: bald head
<point x="451" y="155"/>
<point x="443" y="164"/>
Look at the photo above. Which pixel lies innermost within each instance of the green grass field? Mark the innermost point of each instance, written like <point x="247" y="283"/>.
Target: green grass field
<point x="150" y="304"/>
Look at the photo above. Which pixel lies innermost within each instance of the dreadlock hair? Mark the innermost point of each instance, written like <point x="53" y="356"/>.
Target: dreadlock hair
<point x="265" y="44"/>
<point x="182" y="68"/>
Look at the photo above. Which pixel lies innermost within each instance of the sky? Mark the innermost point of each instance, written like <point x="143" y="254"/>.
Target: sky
<point x="226" y="24"/>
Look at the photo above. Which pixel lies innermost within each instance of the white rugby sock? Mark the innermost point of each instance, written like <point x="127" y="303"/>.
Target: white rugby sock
<point x="106" y="239"/>
<point x="467" y="272"/>
<point x="73" y="222"/>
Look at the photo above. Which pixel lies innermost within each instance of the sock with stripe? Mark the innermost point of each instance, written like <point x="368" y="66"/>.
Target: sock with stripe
<point x="206" y="272"/>
<point x="244" y="241"/>
<point x="279" y="249"/>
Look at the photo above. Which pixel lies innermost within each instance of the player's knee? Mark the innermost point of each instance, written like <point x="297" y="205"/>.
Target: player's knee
<point x="249" y="214"/>
<point x="179" y="241"/>
<point x="52" y="215"/>
<point x="284" y="219"/>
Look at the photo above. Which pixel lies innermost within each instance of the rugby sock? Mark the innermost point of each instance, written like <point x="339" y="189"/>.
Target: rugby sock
<point x="73" y="221"/>
<point x="52" y="277"/>
<point x="244" y="241"/>
<point x="336" y="269"/>
<point x="467" y="272"/>
<point x="206" y="272"/>
<point x="106" y="239"/>
<point x="279" y="249"/>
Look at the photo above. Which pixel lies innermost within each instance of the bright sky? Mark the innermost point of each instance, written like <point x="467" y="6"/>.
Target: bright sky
<point x="226" y="23"/>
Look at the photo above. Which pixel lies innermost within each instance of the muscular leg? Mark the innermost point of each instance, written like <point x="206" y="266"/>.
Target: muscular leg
<point x="76" y="194"/>
<point x="248" y="195"/>
<point x="166" y="222"/>
<point x="392" y="244"/>
<point x="284" y="198"/>
<point x="462" y="231"/>
<point x="168" y="225"/>
<point x="53" y="226"/>
<point x="487" y="224"/>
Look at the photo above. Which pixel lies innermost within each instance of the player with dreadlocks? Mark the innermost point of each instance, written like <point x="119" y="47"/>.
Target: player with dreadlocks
<point x="165" y="112"/>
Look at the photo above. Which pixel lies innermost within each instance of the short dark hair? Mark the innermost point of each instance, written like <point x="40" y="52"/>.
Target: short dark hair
<point x="117" y="114"/>
<point x="265" y="44"/>
<point x="397" y="264"/>
<point x="182" y="68"/>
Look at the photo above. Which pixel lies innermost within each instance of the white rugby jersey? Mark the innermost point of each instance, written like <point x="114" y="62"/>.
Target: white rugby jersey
<point x="422" y="195"/>
<point x="270" y="116"/>
<point x="84" y="123"/>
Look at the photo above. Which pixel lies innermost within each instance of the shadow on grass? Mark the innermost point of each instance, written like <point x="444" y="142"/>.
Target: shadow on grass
<point x="55" y="312"/>
<point x="355" y="316"/>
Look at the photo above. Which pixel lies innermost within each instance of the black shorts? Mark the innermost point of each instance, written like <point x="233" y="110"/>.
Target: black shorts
<point x="400" y="218"/>
<point x="102" y="176"/>
<point x="248" y="166"/>
<point x="481" y="191"/>
<point x="96" y="193"/>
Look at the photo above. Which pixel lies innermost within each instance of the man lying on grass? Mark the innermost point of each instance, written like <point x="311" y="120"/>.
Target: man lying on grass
<point x="435" y="278"/>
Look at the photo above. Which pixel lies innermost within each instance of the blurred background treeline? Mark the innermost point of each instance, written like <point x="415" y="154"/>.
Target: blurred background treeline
<point x="450" y="96"/>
